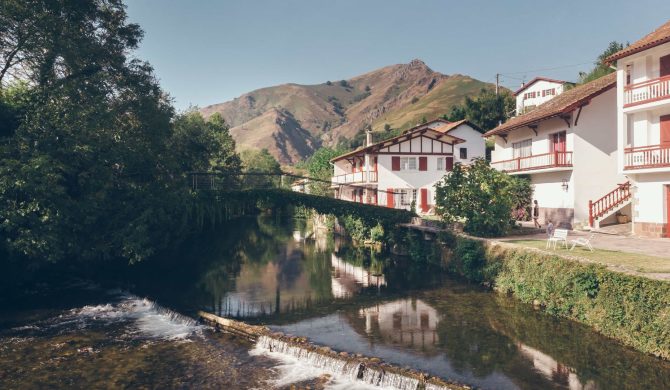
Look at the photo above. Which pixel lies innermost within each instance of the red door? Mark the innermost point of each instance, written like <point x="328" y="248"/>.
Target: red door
<point x="665" y="131"/>
<point x="558" y="147"/>
<point x="389" y="198"/>
<point x="665" y="66"/>
<point x="424" y="200"/>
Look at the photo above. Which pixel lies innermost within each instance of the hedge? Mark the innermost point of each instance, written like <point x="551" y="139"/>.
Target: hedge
<point x="632" y="309"/>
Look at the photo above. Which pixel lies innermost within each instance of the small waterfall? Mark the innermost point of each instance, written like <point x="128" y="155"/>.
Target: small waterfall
<point x="339" y="366"/>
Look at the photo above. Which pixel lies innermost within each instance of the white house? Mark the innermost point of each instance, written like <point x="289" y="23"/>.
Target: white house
<point x="567" y="146"/>
<point x="643" y="123"/>
<point x="404" y="169"/>
<point x="537" y="91"/>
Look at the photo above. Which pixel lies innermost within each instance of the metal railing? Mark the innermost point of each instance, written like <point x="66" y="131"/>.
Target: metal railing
<point x="646" y="91"/>
<point x="538" y="161"/>
<point x="652" y="156"/>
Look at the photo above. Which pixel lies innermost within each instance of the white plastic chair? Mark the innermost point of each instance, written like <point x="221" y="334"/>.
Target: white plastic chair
<point x="581" y="241"/>
<point x="559" y="235"/>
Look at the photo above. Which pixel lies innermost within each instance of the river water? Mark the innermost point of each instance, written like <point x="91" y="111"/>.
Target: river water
<point x="135" y="330"/>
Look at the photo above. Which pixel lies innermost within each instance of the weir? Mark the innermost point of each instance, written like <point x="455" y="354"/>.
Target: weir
<point x="344" y="365"/>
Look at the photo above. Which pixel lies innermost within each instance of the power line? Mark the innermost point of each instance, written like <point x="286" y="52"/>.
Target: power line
<point x="545" y="69"/>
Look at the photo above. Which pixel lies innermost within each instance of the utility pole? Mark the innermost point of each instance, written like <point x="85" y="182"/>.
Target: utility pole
<point x="497" y="82"/>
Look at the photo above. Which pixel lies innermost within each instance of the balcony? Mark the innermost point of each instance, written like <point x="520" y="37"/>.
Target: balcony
<point x="544" y="162"/>
<point x="646" y="157"/>
<point x="355" y="178"/>
<point x="646" y="92"/>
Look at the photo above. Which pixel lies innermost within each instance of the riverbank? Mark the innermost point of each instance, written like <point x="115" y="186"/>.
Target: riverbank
<point x="632" y="309"/>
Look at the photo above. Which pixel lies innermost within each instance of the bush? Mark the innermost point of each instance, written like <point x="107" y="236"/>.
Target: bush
<point x="377" y="233"/>
<point x="482" y="197"/>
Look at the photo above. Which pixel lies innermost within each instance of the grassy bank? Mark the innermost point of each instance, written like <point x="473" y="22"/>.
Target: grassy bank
<point x="632" y="309"/>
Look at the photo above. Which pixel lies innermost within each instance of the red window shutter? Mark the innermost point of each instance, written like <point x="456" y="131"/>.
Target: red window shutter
<point x="664" y="66"/>
<point x="395" y="163"/>
<point x="375" y="164"/>
<point x="665" y="130"/>
<point x="449" y="163"/>
<point x="544" y="92"/>
<point x="424" y="200"/>
<point x="423" y="163"/>
<point x="389" y="198"/>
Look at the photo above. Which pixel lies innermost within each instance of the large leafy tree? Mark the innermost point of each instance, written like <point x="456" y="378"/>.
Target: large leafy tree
<point x="320" y="168"/>
<point x="91" y="167"/>
<point x="481" y="197"/>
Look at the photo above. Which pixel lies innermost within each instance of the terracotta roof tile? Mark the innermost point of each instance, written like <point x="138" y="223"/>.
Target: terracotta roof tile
<point x="559" y="105"/>
<point x="658" y="37"/>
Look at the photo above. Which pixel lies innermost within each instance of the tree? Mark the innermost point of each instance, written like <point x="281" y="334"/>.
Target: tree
<point x="319" y="167"/>
<point x="456" y="114"/>
<point x="481" y="197"/>
<point x="260" y="169"/>
<point x="487" y="110"/>
<point x="387" y="127"/>
<point x="94" y="166"/>
<point x="601" y="69"/>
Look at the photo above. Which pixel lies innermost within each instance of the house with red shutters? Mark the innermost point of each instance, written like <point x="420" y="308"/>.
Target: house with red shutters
<point x="402" y="171"/>
<point x="537" y="91"/>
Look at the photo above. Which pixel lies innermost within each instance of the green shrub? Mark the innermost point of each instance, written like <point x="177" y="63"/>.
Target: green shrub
<point x="468" y="260"/>
<point x="377" y="233"/>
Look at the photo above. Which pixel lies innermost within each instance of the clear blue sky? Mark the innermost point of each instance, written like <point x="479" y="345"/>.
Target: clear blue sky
<point x="206" y="52"/>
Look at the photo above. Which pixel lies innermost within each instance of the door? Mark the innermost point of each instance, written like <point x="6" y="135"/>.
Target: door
<point x="558" y="147"/>
<point x="389" y="198"/>
<point x="665" y="66"/>
<point x="424" y="200"/>
<point x="667" y="211"/>
<point x="665" y="131"/>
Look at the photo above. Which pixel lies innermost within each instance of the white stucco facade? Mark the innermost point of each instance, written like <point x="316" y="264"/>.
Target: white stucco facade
<point x="566" y="171"/>
<point x="536" y="92"/>
<point x="643" y="138"/>
<point x="401" y="171"/>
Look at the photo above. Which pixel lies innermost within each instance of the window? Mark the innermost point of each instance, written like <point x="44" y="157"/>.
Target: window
<point x="407" y="163"/>
<point x="440" y="163"/>
<point x="522" y="148"/>
<point x="407" y="196"/>
<point x="464" y="153"/>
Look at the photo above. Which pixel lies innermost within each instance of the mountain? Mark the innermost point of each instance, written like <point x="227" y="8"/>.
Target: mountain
<point x="293" y="120"/>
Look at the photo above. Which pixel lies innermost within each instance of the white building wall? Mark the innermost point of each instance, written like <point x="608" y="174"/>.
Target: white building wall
<point x="650" y="198"/>
<point x="474" y="144"/>
<point x="411" y="179"/>
<point x="537" y="87"/>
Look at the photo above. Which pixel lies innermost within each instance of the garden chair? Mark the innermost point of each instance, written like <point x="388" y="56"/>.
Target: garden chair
<point x="559" y="235"/>
<point x="581" y="241"/>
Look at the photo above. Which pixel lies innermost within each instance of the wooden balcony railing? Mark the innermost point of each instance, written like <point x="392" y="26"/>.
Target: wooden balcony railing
<point x="646" y="91"/>
<point x="538" y="161"/>
<point x="355" y="177"/>
<point x="609" y="202"/>
<point x="642" y="157"/>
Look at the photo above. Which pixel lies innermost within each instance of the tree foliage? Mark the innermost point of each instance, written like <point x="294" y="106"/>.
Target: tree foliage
<point x="601" y="68"/>
<point x="93" y="161"/>
<point x="319" y="167"/>
<point x="486" y="110"/>
<point x="481" y="197"/>
<point x="260" y="169"/>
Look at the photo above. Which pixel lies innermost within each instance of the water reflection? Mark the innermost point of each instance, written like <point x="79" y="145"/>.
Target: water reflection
<point x="287" y="276"/>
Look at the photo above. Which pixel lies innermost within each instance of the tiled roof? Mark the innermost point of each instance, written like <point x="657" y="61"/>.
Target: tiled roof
<point x="443" y="129"/>
<point x="536" y="79"/>
<point x="658" y="37"/>
<point x="559" y="105"/>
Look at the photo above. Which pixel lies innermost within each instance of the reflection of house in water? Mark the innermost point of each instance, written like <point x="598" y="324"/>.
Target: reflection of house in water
<point x="553" y="370"/>
<point x="348" y="279"/>
<point x="409" y="322"/>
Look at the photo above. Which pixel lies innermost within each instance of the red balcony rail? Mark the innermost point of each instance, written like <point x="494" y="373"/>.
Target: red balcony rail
<point x="538" y="161"/>
<point x="646" y="91"/>
<point x="641" y="157"/>
<point x="608" y="202"/>
<point x="355" y="177"/>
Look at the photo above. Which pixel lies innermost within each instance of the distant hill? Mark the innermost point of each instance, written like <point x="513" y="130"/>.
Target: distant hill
<point x="292" y="120"/>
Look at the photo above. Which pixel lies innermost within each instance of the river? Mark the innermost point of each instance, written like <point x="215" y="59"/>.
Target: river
<point x="135" y="330"/>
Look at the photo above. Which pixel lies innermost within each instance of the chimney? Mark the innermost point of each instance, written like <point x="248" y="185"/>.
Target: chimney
<point x="368" y="137"/>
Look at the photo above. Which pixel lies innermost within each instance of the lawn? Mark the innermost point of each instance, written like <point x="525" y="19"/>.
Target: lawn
<point x="631" y="261"/>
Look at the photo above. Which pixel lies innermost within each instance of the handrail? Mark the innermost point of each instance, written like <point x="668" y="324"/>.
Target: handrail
<point x="649" y="156"/>
<point x="647" y="91"/>
<point x="355" y="177"/>
<point x="645" y="83"/>
<point x="608" y="202"/>
<point x="536" y="161"/>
